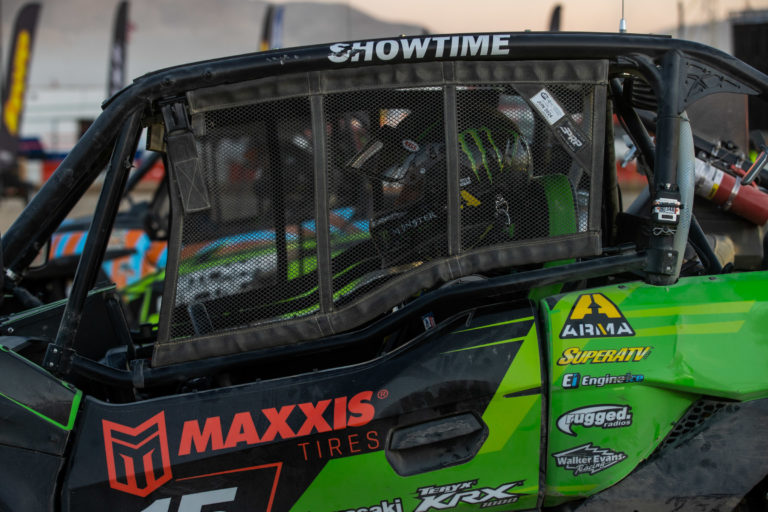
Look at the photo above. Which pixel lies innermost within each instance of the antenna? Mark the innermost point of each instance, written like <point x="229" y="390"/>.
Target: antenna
<point x="623" y="22"/>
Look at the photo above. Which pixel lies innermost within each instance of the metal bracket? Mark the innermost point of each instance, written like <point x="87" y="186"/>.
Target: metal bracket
<point x="183" y="158"/>
<point x="662" y="261"/>
<point x="58" y="360"/>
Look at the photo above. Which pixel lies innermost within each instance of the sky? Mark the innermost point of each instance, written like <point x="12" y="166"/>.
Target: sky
<point x="643" y="16"/>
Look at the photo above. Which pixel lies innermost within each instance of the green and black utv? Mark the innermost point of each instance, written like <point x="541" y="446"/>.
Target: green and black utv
<point x="401" y="277"/>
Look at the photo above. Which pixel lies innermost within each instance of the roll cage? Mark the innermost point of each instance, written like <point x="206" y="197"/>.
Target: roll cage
<point x="677" y="72"/>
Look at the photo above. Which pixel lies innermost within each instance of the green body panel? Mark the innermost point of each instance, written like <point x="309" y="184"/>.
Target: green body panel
<point x="509" y="454"/>
<point x="670" y="345"/>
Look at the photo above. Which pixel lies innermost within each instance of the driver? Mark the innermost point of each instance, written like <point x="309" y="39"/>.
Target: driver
<point x="407" y="166"/>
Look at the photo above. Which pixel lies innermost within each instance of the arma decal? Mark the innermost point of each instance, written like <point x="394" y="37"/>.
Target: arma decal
<point x="449" y="496"/>
<point x="437" y="47"/>
<point x="605" y="416"/>
<point x="594" y="316"/>
<point x="575" y="355"/>
<point x="587" y="459"/>
<point x="574" y="380"/>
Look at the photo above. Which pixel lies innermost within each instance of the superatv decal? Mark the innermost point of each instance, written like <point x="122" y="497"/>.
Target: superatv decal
<point x="595" y="316"/>
<point x="346" y="412"/>
<point x="604" y="416"/>
<point x="383" y="506"/>
<point x="142" y="450"/>
<point x="450" y="496"/>
<point x="575" y="355"/>
<point x="574" y="380"/>
<point x="587" y="458"/>
<point x="420" y="48"/>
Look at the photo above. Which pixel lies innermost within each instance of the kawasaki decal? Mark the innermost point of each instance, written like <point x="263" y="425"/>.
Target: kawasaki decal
<point x="605" y="416"/>
<point x="575" y="355"/>
<point x="587" y="459"/>
<point x="595" y="316"/>
<point x="383" y="506"/>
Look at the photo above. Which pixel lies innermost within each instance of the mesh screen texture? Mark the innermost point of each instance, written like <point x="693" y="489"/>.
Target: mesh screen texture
<point x="392" y="187"/>
<point x="520" y="163"/>
<point x="252" y="256"/>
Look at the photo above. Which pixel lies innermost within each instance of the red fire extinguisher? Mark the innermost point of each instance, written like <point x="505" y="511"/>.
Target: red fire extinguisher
<point x="745" y="201"/>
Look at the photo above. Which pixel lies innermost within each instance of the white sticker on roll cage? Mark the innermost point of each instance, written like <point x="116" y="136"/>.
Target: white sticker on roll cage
<point x="547" y="106"/>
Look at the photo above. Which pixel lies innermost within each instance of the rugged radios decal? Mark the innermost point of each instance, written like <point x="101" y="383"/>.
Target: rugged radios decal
<point x="605" y="416"/>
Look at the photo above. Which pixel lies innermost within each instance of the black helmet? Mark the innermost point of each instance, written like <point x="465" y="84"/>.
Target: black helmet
<point x="407" y="165"/>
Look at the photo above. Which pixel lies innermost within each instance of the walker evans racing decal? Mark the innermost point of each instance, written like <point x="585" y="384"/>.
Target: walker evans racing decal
<point x="587" y="459"/>
<point x="138" y="458"/>
<point x="575" y="355"/>
<point x="574" y="380"/>
<point x="595" y="316"/>
<point x="605" y="416"/>
<point x="452" y="495"/>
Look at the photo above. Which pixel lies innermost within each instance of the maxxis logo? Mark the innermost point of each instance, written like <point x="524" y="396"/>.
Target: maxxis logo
<point x="138" y="459"/>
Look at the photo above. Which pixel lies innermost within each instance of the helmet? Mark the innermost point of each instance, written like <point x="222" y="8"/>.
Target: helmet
<point x="407" y="166"/>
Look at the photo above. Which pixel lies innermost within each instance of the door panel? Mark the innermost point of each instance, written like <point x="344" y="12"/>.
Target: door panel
<point x="452" y="419"/>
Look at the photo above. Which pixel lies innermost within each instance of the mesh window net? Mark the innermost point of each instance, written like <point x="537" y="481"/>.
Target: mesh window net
<point x="328" y="208"/>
